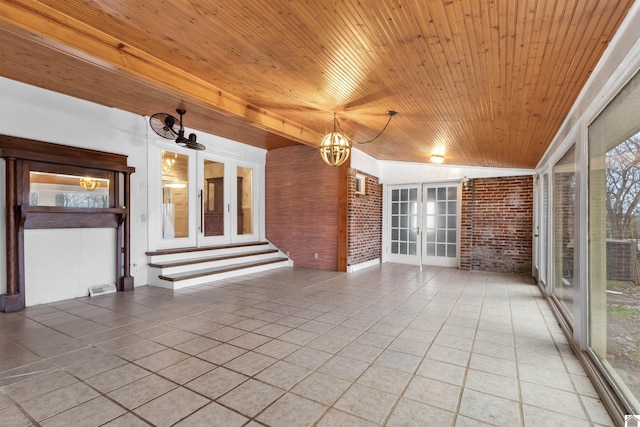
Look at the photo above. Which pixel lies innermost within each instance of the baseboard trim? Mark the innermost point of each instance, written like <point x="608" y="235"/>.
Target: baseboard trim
<point x="362" y="265"/>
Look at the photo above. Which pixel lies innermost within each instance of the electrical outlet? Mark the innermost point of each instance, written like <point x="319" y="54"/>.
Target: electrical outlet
<point x="316" y="255"/>
<point x="143" y="186"/>
<point x="143" y="218"/>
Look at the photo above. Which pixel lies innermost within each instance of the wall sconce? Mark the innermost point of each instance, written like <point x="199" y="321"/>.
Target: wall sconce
<point x="89" y="184"/>
<point x="466" y="182"/>
<point x="437" y="158"/>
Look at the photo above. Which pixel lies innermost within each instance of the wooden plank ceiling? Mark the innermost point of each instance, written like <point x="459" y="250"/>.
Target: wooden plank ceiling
<point x="487" y="83"/>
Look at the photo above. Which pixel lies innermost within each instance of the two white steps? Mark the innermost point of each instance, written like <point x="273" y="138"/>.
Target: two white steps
<point x="181" y="268"/>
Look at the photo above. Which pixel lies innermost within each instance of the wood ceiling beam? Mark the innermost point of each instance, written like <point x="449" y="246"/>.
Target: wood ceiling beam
<point x="49" y="27"/>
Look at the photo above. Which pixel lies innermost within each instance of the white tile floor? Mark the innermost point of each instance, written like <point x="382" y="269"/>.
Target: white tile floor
<point x="292" y="347"/>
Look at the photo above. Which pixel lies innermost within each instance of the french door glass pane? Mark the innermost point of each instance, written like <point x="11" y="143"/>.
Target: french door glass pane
<point x="431" y="249"/>
<point x="441" y="221"/>
<point x="175" y="195"/>
<point x="245" y="200"/>
<point x="614" y="236"/>
<point x="214" y="203"/>
<point x="404" y="220"/>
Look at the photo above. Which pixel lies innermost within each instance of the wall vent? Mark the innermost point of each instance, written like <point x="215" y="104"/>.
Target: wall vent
<point x="101" y="290"/>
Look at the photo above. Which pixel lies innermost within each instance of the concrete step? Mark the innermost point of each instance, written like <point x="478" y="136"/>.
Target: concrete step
<point x="181" y="254"/>
<point x="199" y="277"/>
<point x="183" y="267"/>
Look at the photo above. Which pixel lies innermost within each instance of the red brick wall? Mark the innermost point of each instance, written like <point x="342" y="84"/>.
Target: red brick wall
<point x="365" y="220"/>
<point x="497" y="224"/>
<point x="302" y="195"/>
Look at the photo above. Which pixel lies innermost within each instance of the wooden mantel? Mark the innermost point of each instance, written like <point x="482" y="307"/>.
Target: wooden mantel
<point x="23" y="156"/>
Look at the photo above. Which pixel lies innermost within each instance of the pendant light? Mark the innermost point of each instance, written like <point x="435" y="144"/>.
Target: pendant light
<point x="336" y="145"/>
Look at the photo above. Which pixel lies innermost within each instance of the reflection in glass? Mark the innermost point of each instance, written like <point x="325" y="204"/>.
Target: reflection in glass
<point x="245" y="200"/>
<point x="70" y="191"/>
<point x="175" y="195"/>
<point x="214" y="200"/>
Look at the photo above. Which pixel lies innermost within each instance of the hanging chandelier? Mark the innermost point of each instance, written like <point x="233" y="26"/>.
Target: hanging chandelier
<point x="336" y="146"/>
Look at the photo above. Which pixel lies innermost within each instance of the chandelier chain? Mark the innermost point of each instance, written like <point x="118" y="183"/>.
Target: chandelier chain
<point x="391" y="113"/>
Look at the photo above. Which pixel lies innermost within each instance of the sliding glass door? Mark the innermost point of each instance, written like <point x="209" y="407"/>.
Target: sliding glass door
<point x="614" y="238"/>
<point x="544" y="232"/>
<point x="564" y="204"/>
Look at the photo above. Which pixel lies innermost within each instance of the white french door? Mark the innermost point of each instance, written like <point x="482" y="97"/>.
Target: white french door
<point x="441" y="225"/>
<point x="424" y="224"/>
<point x="201" y="199"/>
<point x="226" y="201"/>
<point x="404" y="207"/>
<point x="536" y="228"/>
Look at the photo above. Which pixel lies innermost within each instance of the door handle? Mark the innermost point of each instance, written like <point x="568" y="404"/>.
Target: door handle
<point x="201" y="211"/>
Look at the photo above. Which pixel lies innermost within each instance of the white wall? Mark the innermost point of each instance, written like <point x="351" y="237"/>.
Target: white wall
<point x="365" y="163"/>
<point x="52" y="274"/>
<point x="72" y="265"/>
<point x="30" y="112"/>
<point x="391" y="172"/>
<point x="407" y="173"/>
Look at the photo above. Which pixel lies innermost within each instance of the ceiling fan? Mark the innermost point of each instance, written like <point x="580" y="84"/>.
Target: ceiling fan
<point x="165" y="126"/>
